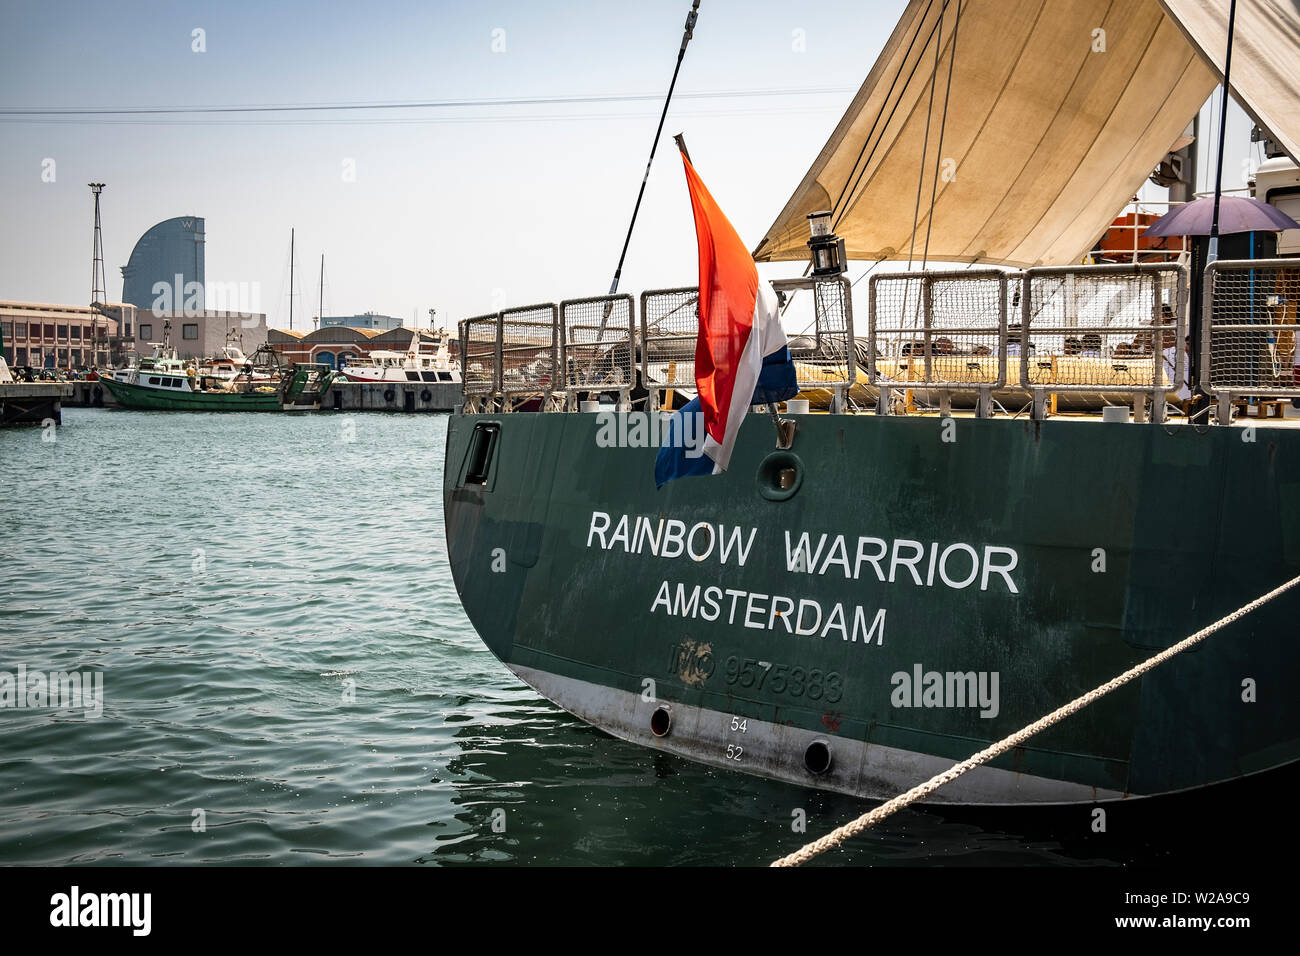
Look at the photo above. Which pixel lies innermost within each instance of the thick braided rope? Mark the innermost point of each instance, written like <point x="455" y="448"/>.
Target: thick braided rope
<point x="854" y="827"/>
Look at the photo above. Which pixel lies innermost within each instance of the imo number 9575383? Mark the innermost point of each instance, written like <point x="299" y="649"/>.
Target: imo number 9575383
<point x="789" y="679"/>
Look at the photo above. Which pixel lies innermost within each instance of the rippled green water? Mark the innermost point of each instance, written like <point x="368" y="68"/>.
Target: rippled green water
<point x="323" y="571"/>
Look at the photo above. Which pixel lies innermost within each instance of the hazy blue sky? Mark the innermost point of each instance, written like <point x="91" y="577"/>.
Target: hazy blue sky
<point x="461" y="209"/>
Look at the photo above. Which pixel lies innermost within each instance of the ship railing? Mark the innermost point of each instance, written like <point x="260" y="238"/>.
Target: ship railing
<point x="598" y="346"/>
<point x="1248" y="331"/>
<point x="1025" y="338"/>
<point x="530" y="352"/>
<point x="1115" y="330"/>
<point x="938" y="330"/>
<point x="829" y="362"/>
<point x="823" y="354"/>
<point x="480" y="363"/>
<point x="510" y="358"/>
<point x="669" y="326"/>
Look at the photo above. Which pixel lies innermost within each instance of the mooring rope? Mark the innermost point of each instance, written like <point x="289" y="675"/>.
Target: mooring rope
<point x="854" y="827"/>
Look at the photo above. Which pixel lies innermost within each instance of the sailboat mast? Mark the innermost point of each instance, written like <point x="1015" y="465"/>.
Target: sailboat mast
<point x="291" y="278"/>
<point x="320" y="308"/>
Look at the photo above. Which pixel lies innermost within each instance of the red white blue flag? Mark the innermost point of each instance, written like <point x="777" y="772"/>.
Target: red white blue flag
<point x="741" y="356"/>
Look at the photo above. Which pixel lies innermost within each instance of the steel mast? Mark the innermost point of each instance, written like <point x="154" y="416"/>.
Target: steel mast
<point x="97" y="283"/>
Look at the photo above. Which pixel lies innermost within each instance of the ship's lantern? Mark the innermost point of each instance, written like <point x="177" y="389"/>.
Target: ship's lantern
<point x="828" y="258"/>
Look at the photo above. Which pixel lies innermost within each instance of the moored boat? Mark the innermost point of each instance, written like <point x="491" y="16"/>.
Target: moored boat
<point x="163" y="382"/>
<point x="177" y="393"/>
<point x="427" y="359"/>
<point x="233" y="364"/>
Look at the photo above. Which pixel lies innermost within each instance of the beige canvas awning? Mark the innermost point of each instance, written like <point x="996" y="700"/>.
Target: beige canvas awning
<point x="1059" y="110"/>
<point x="1265" y="57"/>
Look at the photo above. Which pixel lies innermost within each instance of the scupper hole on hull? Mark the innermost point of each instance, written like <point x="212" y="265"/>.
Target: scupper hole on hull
<point x="661" y="721"/>
<point x="817" y="758"/>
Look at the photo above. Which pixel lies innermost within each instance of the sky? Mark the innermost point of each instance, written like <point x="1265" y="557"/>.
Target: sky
<point x="463" y="209"/>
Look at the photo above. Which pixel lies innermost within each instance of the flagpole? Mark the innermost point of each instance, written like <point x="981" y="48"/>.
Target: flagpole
<point x="785" y="427"/>
<point x="686" y="38"/>
<point x="1213" y="253"/>
<point x="680" y="140"/>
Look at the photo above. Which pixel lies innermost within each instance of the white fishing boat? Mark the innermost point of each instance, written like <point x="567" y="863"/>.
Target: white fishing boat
<point x="233" y="363"/>
<point x="163" y="363"/>
<point x="428" y="359"/>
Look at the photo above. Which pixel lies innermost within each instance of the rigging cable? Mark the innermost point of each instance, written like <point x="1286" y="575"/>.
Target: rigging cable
<point x="920" y="179"/>
<point x="943" y="128"/>
<point x="681" y="53"/>
<point x="880" y="112"/>
<point x="925" y="141"/>
<point x="850" y="191"/>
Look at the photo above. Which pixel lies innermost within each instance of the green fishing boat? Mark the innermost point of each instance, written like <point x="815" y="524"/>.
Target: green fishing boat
<point x="164" y="382"/>
<point x="940" y="556"/>
<point x="177" y="393"/>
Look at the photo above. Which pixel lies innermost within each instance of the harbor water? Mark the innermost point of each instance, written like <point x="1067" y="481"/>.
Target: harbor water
<point x="288" y="678"/>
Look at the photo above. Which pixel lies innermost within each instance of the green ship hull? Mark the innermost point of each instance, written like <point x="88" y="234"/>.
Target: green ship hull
<point x="135" y="396"/>
<point x="956" y="582"/>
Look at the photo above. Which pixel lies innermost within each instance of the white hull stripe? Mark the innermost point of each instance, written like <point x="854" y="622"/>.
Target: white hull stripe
<point x="872" y="771"/>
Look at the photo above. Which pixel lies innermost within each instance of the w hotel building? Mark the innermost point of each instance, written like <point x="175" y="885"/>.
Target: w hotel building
<point x="163" y="282"/>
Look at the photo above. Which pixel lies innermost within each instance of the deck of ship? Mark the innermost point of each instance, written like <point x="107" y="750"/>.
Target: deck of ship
<point x="1043" y="342"/>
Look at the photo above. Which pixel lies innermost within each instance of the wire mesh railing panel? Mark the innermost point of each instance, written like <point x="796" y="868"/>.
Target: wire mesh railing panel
<point x="479" y="361"/>
<point x="1248" y="333"/>
<point x="823" y="353"/>
<point x="670" y="324"/>
<point x="529" y="349"/>
<point x="599" y="350"/>
<point x="938" y="329"/>
<point x="1113" y="328"/>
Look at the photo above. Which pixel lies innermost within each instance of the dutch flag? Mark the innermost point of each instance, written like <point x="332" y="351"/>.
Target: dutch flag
<point x="741" y="356"/>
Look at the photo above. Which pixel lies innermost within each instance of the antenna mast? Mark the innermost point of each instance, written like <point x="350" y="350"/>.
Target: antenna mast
<point x="291" y="277"/>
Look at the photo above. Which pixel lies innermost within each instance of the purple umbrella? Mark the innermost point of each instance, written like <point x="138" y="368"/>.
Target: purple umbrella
<point x="1236" y="214"/>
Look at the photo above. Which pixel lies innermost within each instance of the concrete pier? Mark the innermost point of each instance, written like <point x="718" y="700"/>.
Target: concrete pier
<point x="392" y="396"/>
<point x="342" y="396"/>
<point x="33" y="403"/>
<point x="89" y="394"/>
